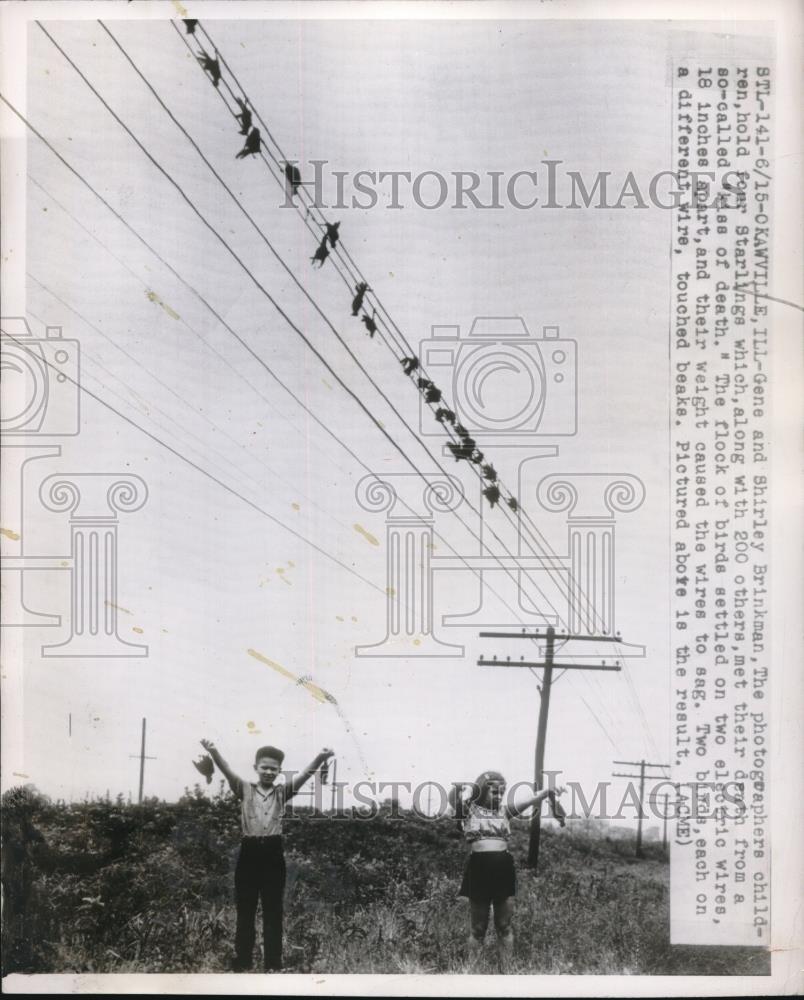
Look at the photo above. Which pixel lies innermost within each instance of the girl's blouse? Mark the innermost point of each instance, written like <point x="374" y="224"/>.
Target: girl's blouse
<point x="480" y="823"/>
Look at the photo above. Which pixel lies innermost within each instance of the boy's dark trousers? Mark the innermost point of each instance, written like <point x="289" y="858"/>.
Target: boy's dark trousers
<point x="260" y="874"/>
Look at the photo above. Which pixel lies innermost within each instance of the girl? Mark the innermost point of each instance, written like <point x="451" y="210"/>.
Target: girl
<point x="489" y="875"/>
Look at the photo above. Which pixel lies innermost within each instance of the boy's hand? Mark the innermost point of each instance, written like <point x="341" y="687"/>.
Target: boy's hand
<point x="209" y="746"/>
<point x="325" y="754"/>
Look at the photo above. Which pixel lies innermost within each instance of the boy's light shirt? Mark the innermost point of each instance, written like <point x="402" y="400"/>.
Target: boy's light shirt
<point x="261" y="809"/>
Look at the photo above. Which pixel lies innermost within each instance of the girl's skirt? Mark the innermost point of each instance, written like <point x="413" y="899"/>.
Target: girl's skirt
<point x="489" y="876"/>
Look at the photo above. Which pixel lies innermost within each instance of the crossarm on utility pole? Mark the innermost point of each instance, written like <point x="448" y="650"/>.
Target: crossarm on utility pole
<point x="547" y="665"/>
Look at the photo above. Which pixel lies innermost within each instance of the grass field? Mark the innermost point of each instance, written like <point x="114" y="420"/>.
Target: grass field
<point x="108" y="887"/>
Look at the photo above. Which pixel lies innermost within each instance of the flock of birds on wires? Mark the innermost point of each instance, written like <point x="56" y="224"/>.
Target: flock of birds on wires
<point x="465" y="448"/>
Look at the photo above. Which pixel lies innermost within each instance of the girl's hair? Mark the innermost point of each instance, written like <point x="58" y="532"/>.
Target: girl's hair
<point x="478" y="793"/>
<point x="482" y="785"/>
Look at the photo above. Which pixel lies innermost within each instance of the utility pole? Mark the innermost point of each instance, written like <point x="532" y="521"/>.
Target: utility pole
<point x="142" y="758"/>
<point x="550" y="637"/>
<point x="334" y="786"/>
<point x="641" y="764"/>
<point x="664" y="824"/>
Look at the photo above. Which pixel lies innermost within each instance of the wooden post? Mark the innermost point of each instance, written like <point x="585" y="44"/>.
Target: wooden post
<point x="142" y="763"/>
<point x="541" y="737"/>
<point x="640" y="813"/>
<point x="334" y="786"/>
<point x="142" y="758"/>
<point x="544" y="704"/>
<point x="642" y="764"/>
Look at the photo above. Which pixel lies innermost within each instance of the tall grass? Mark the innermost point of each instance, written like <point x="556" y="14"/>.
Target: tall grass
<point x="109" y="887"/>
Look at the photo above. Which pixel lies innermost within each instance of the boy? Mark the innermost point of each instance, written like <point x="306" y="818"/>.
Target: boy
<point x="260" y="871"/>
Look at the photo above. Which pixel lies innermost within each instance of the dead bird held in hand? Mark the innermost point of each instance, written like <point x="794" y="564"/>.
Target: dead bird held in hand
<point x="205" y="766"/>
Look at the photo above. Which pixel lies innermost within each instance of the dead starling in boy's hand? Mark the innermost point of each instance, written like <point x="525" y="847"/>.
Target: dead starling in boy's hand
<point x="205" y="766"/>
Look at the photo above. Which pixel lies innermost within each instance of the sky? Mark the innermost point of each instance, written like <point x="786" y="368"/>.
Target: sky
<point x="215" y="587"/>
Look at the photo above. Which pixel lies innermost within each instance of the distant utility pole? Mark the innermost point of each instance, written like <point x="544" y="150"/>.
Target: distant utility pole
<point x="142" y="758"/>
<point x="334" y="785"/>
<point x="665" y="817"/>
<point x="641" y="764"/>
<point x="550" y="637"/>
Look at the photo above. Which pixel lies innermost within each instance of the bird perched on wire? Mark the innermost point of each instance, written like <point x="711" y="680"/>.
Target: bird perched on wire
<point x="205" y="766"/>
<point x="251" y="146"/>
<point x="245" y="115"/>
<point x="432" y="394"/>
<point x="462" y="450"/>
<point x="492" y="494"/>
<point x="369" y="323"/>
<point x="293" y="177"/>
<point x="512" y="503"/>
<point x="477" y="458"/>
<point x="410" y="365"/>
<point x="332" y="233"/>
<point x="211" y="66"/>
<point x="189" y="25"/>
<point x="321" y="253"/>
<point x="443" y="415"/>
<point x="357" y="302"/>
<point x="490" y="473"/>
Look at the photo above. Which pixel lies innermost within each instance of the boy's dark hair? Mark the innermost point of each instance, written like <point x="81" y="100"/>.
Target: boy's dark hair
<point x="269" y="752"/>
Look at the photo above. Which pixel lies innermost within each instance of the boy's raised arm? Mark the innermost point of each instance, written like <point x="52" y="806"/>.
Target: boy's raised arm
<point x="235" y="783"/>
<point x="299" y="779"/>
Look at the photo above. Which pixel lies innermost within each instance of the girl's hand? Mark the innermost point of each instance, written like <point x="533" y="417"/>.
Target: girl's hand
<point x="325" y="754"/>
<point x="209" y="746"/>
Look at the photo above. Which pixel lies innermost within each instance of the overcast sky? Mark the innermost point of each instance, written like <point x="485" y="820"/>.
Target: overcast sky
<point x="204" y="578"/>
